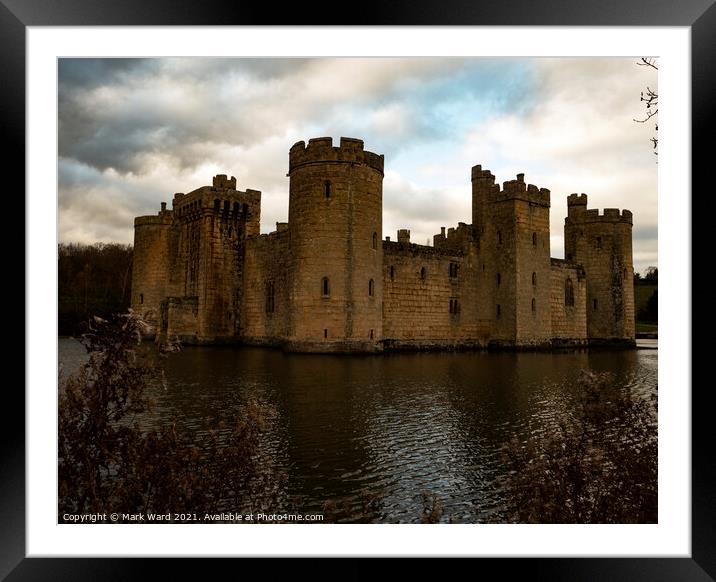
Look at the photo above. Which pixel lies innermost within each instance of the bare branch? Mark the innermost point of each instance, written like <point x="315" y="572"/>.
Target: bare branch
<point x="648" y="62"/>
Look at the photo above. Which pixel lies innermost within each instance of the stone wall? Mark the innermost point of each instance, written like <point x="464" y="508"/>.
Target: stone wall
<point x="180" y="319"/>
<point x="429" y="297"/>
<point x="568" y="303"/>
<point x="265" y="309"/>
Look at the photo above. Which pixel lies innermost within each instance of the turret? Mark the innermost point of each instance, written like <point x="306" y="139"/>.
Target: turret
<point x="512" y="224"/>
<point x="335" y="225"/>
<point x="602" y="244"/>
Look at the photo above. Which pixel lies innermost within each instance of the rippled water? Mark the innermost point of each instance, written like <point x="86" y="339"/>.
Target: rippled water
<point x="393" y="425"/>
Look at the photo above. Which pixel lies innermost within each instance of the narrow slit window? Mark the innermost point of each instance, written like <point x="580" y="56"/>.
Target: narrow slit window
<point x="392" y="273"/>
<point x="325" y="287"/>
<point x="534" y="239"/>
<point x="499" y="279"/>
<point x="375" y="240"/>
<point x="534" y="305"/>
<point x="534" y="279"/>
<point x="141" y="298"/>
<point x="325" y="333"/>
<point x="499" y="310"/>
<point x="327" y="189"/>
<point x="423" y="273"/>
<point x="499" y="237"/>
<point x="371" y="288"/>
<point x="595" y="305"/>
<point x="569" y="293"/>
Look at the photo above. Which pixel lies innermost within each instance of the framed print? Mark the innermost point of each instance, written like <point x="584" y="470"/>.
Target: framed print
<point x="389" y="89"/>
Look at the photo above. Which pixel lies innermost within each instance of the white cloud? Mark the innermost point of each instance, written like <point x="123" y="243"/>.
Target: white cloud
<point x="132" y="134"/>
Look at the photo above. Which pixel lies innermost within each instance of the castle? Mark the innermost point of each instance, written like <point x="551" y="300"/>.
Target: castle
<point x="326" y="281"/>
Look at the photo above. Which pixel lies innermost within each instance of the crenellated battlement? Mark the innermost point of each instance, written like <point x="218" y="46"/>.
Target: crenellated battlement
<point x="322" y="150"/>
<point x="221" y="181"/>
<point x="455" y="237"/>
<point x="577" y="211"/>
<point x="484" y="180"/>
<point x="161" y="219"/>
<point x="577" y="200"/>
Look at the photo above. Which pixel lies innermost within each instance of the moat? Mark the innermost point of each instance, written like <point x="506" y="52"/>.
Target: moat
<point x="393" y="425"/>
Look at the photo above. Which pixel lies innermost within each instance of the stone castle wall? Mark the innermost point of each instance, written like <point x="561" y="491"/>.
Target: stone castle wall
<point x="429" y="296"/>
<point x="327" y="281"/>
<point x="265" y="310"/>
<point x="568" y="303"/>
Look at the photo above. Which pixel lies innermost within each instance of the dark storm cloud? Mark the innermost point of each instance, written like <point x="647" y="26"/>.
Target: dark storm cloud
<point x="134" y="131"/>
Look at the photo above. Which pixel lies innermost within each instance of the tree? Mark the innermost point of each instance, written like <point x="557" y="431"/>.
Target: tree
<point x="109" y="461"/>
<point x="651" y="275"/>
<point x="597" y="466"/>
<point x="651" y="100"/>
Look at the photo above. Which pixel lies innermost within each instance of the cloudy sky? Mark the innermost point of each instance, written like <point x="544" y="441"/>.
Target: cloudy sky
<point x="134" y="131"/>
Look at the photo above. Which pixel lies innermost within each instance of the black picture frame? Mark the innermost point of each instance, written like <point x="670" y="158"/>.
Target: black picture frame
<point x="17" y="15"/>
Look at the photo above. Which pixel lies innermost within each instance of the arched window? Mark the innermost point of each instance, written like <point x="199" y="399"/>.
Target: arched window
<point x="534" y="279"/>
<point x="371" y="288"/>
<point x="245" y="210"/>
<point x="325" y="287"/>
<point x="568" y="293"/>
<point x="227" y="206"/>
<point x="534" y="239"/>
<point x="217" y="205"/>
<point x="423" y="273"/>
<point x="534" y="304"/>
<point x="499" y="279"/>
<point x="327" y="189"/>
<point x="237" y="208"/>
<point x="375" y="240"/>
<point x="499" y="237"/>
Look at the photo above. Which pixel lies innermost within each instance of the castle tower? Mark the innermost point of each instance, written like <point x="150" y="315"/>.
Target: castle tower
<point x="512" y="226"/>
<point x="150" y="270"/>
<point x="335" y="219"/>
<point x="602" y="244"/>
<point x="187" y="278"/>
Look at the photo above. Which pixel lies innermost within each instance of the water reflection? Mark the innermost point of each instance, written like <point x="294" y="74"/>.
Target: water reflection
<point x="392" y="426"/>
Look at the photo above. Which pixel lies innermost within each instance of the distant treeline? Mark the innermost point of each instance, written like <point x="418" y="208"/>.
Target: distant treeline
<point x="92" y="280"/>
<point x="646" y="295"/>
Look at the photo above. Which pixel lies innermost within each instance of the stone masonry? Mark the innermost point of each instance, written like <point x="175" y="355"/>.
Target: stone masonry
<point x="326" y="281"/>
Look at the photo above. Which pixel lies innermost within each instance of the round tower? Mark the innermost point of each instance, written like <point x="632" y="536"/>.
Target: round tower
<point x="335" y="219"/>
<point x="150" y="269"/>
<point x="602" y="244"/>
